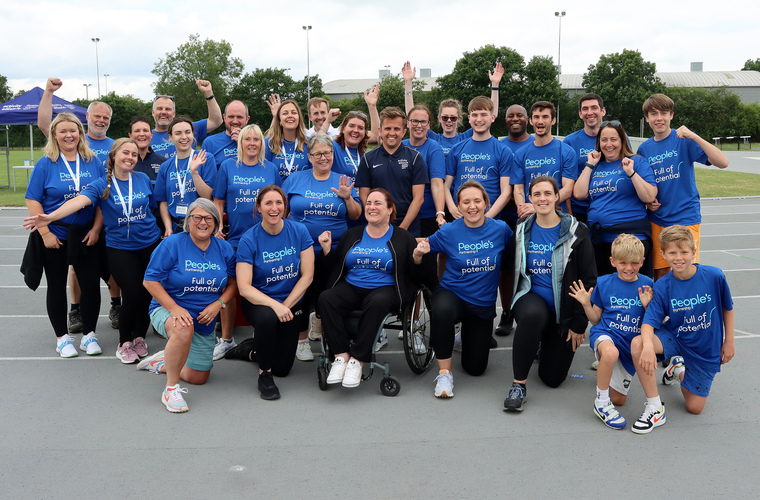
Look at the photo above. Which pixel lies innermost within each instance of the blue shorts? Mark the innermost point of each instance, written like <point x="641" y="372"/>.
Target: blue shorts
<point x="696" y="379"/>
<point x="201" y="355"/>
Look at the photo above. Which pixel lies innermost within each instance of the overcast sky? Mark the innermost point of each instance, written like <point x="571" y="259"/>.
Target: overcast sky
<point x="356" y="39"/>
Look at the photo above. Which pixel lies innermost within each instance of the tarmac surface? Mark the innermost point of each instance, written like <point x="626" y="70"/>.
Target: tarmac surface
<point x="91" y="427"/>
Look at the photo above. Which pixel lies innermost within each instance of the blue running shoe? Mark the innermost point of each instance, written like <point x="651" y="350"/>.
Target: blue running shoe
<point x="610" y="416"/>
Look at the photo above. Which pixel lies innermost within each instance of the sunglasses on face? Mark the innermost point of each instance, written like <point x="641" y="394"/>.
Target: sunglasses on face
<point x="449" y="118"/>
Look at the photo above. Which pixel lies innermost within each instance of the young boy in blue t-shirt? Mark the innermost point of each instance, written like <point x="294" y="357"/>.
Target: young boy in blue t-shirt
<point x="697" y="303"/>
<point x="615" y="308"/>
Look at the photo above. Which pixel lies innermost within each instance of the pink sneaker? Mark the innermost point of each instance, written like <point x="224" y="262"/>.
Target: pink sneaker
<point x="126" y="353"/>
<point x="140" y="347"/>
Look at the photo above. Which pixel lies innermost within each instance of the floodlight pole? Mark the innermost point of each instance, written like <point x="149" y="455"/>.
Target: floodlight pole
<point x="97" y="63"/>
<point x="106" y="75"/>
<point x="559" y="15"/>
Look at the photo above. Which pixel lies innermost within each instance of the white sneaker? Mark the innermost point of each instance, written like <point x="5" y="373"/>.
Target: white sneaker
<point x="337" y="371"/>
<point x="418" y="345"/>
<point x="65" y="347"/>
<point x="222" y="346"/>
<point x="444" y="385"/>
<point x="353" y="375"/>
<point x="315" y="327"/>
<point x="89" y="344"/>
<point x="303" y="352"/>
<point x="382" y="341"/>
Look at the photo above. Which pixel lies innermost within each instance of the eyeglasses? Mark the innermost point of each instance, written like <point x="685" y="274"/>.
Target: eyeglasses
<point x="417" y="123"/>
<point x="198" y="218"/>
<point x="610" y="123"/>
<point x="319" y="156"/>
<point x="445" y="118"/>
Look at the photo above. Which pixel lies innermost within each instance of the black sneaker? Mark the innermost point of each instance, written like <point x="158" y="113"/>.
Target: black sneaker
<point x="75" y="321"/>
<point x="516" y="397"/>
<point x="493" y="344"/>
<point x="244" y="350"/>
<point x="113" y="315"/>
<point x="505" y="325"/>
<point x="268" y="390"/>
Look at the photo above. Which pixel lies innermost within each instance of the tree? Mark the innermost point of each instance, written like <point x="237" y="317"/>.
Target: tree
<point x="709" y="113"/>
<point x="5" y="90"/>
<point x="751" y="65"/>
<point x="469" y="79"/>
<point x="541" y="83"/>
<point x="197" y="60"/>
<point x="624" y="80"/>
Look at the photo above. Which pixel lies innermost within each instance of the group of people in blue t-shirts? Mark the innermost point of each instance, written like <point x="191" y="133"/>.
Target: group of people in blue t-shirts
<point x="302" y="227"/>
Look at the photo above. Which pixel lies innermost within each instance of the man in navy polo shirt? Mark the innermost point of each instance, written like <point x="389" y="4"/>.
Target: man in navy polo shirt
<point x="397" y="168"/>
<point x="164" y="112"/>
<point x="591" y="111"/>
<point x="224" y="144"/>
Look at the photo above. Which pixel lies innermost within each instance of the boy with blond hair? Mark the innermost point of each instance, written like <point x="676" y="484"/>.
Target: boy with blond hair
<point x="615" y="308"/>
<point x="686" y="320"/>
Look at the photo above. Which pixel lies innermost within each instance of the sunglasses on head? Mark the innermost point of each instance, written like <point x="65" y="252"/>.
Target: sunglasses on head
<point x="610" y="123"/>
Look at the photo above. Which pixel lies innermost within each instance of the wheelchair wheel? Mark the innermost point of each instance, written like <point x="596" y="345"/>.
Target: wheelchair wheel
<point x="417" y="349"/>
<point x="322" y="377"/>
<point x="389" y="386"/>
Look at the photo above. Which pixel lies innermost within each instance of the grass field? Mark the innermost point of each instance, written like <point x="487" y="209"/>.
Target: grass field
<point x="711" y="182"/>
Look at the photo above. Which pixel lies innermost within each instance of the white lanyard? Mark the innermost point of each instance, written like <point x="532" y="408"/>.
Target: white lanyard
<point x="181" y="184"/>
<point x="127" y="209"/>
<point x="354" y="163"/>
<point x="289" y="164"/>
<point x="68" y="167"/>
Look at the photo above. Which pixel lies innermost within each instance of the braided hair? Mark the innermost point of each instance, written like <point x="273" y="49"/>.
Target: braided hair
<point x="117" y="145"/>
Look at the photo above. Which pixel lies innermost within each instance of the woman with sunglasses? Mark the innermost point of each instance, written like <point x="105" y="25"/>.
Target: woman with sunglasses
<point x="450" y="112"/>
<point x="191" y="276"/>
<point x="619" y="184"/>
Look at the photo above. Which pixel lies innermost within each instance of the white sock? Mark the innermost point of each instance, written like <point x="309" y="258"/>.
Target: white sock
<point x="678" y="371"/>
<point x="602" y="396"/>
<point x="229" y="341"/>
<point x="655" y="401"/>
<point x="303" y="341"/>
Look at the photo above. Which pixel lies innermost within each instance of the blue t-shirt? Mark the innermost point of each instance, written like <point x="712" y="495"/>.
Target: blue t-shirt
<point x="695" y="308"/>
<point x="171" y="176"/>
<point x="474" y="255"/>
<point x="539" y="261"/>
<point x="101" y="147"/>
<point x="193" y="278"/>
<point x="221" y="146"/>
<point x="672" y="160"/>
<point x="582" y="144"/>
<point x="238" y="186"/>
<point x="622" y="312"/>
<point x="555" y="159"/>
<point x="51" y="185"/>
<point x="133" y="232"/>
<point x="613" y="196"/>
<point x="397" y="173"/>
<point x="447" y="143"/>
<point x="276" y="258"/>
<point x="432" y="153"/>
<point x="289" y="160"/>
<point x="316" y="206"/>
<point x="516" y="146"/>
<point x="163" y="145"/>
<point x="370" y="262"/>
<point x="345" y="160"/>
<point x="483" y="161"/>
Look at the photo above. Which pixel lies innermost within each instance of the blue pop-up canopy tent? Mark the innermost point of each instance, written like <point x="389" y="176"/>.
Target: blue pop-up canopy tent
<point x="23" y="110"/>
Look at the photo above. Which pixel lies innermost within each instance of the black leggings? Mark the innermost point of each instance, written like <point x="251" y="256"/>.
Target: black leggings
<point x="128" y="269"/>
<point x="338" y="302"/>
<point x="275" y="342"/>
<point x="536" y="325"/>
<point x="449" y="309"/>
<point x="56" y="273"/>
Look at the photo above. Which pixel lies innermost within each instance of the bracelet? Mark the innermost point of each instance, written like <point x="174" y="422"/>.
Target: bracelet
<point x="634" y="173"/>
<point x="440" y="213"/>
<point x="210" y="97"/>
<point x="224" y="306"/>
<point x="408" y="92"/>
<point x="588" y="165"/>
<point x="495" y="88"/>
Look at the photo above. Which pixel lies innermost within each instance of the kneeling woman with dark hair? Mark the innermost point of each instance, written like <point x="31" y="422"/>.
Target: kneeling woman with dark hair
<point x="275" y="267"/>
<point x="552" y="251"/>
<point x="474" y="245"/>
<point x="372" y="272"/>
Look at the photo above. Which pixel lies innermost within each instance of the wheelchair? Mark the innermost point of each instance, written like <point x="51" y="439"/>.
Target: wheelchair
<point x="414" y="323"/>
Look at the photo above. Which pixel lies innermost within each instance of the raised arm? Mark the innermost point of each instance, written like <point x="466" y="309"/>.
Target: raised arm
<point x="45" y="109"/>
<point x="495" y="77"/>
<point x="714" y="155"/>
<point x="374" y="117"/>
<point x="214" y="112"/>
<point x="646" y="192"/>
<point x="408" y="73"/>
